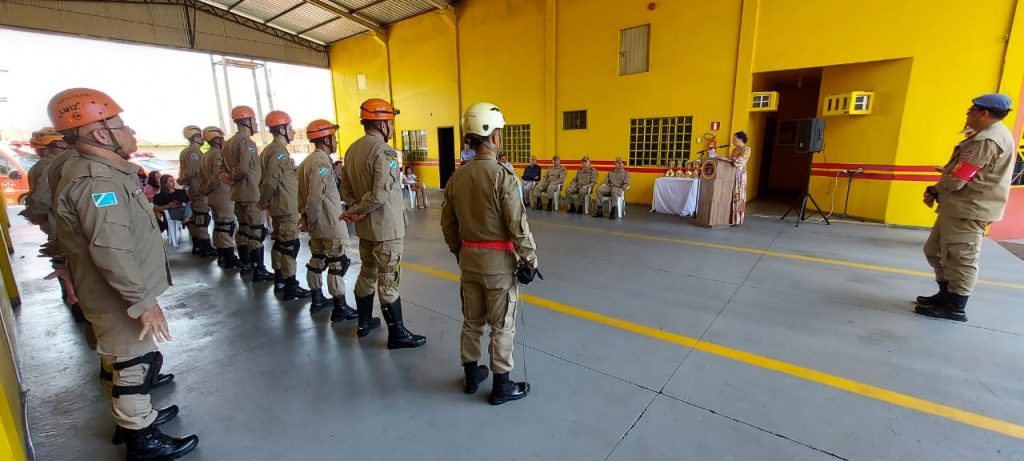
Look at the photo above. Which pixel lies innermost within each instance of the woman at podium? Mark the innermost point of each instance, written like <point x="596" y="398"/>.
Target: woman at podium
<point x="739" y="156"/>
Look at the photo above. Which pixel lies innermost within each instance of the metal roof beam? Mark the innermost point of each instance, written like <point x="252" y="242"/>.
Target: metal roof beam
<point x="303" y="32"/>
<point x="362" y="21"/>
<point x="289" y="10"/>
<point x="239" y="2"/>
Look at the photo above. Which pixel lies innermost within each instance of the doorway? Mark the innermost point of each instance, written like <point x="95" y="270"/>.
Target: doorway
<point x="446" y="153"/>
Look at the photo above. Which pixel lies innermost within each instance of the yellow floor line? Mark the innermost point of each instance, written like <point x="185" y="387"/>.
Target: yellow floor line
<point x="775" y="254"/>
<point x="797" y="371"/>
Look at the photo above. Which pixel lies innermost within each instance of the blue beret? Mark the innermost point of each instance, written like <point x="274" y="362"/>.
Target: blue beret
<point x="994" y="101"/>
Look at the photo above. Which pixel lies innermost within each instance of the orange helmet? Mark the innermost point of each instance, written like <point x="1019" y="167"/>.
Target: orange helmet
<point x="320" y="128"/>
<point x="191" y="131"/>
<point x="242" y="112"/>
<point x="377" y="109"/>
<point x="278" y="118"/>
<point x="77" y="107"/>
<point x="41" y="139"/>
<point x="211" y="132"/>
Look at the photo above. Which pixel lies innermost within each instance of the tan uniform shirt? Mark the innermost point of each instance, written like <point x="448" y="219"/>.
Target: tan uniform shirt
<point x="373" y="187"/>
<point x="555" y="175"/>
<point x="215" y="190"/>
<point x="190" y="173"/>
<point x="242" y="162"/>
<point x="483" y="203"/>
<point x="987" y="160"/>
<point x="114" y="248"/>
<point x="618" y="177"/>
<point x="39" y="201"/>
<point x="279" y="186"/>
<point x="585" y="177"/>
<point x="54" y="174"/>
<point x="319" y="200"/>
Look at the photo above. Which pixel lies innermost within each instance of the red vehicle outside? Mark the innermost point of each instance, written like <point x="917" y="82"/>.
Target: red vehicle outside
<point x="16" y="158"/>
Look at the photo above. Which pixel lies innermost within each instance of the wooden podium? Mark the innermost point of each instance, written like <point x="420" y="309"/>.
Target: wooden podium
<point x="717" y="180"/>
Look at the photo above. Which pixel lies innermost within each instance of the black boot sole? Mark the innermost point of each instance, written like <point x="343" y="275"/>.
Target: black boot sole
<point x="500" y="399"/>
<point x="406" y="343"/>
<point x="364" y="330"/>
<point x="191" y="442"/>
<point x="314" y="308"/>
<point x="344" y="316"/>
<point x="938" y="314"/>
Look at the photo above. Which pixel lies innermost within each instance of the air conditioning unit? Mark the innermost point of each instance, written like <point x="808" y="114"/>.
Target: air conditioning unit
<point x="852" y="103"/>
<point x="764" y="101"/>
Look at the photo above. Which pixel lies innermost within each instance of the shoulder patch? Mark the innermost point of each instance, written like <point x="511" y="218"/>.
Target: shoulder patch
<point x="103" y="199"/>
<point x="252" y="149"/>
<point x="99" y="170"/>
<point x="324" y="171"/>
<point x="393" y="164"/>
<point x="194" y="156"/>
<point x="281" y="156"/>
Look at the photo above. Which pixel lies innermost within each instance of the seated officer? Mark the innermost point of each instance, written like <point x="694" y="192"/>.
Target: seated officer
<point x="552" y="182"/>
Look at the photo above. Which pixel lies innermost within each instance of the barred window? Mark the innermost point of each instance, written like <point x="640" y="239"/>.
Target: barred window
<point x="574" y="120"/>
<point x="414" y="145"/>
<point x="656" y="141"/>
<point x="515" y="143"/>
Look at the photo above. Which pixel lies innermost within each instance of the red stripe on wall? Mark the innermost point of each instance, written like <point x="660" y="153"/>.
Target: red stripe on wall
<point x="882" y="176"/>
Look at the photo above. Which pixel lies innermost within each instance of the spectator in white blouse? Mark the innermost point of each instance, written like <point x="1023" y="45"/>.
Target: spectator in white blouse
<point x="415" y="187"/>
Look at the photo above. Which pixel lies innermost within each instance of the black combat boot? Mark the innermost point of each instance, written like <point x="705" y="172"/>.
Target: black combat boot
<point x="150" y="444"/>
<point x="398" y="336"/>
<point x="928" y="301"/>
<point x="579" y="210"/>
<point x="599" y="213"/>
<point x="293" y="291"/>
<point x="259" y="270"/>
<point x="475" y="374"/>
<point x="572" y="208"/>
<point x="163" y="380"/>
<point x="341" y="311"/>
<point x="226" y="258"/>
<point x="550" y="203"/>
<point x="504" y="390"/>
<point x="208" y="250"/>
<point x="951" y="306"/>
<point x="197" y="247"/>
<point x="367" y="322"/>
<point x="319" y="302"/>
<point x="163" y="415"/>
<point x="614" y="213"/>
<point x="538" y="206"/>
<point x="278" y="282"/>
<point x="244" y="261"/>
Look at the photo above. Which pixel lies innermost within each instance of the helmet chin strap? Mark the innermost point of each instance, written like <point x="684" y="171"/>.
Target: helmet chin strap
<point x="116" y="147"/>
<point x="380" y="130"/>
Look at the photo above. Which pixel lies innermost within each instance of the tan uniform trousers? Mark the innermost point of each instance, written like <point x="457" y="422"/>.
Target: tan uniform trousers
<point x="952" y="249"/>
<point x="606" y="191"/>
<point x="320" y="251"/>
<point x="198" y="227"/>
<point x="489" y="300"/>
<point x="576" y="195"/>
<point x="250" y="225"/>
<point x="132" y="411"/>
<point x="551" y="189"/>
<point x="381" y="269"/>
<point x="286" y="229"/>
<point x="223" y="225"/>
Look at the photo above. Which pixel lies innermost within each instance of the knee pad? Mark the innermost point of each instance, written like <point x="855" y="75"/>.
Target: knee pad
<point x="294" y="251"/>
<point x="312" y="258"/>
<point x="343" y="260"/>
<point x="154" y="359"/>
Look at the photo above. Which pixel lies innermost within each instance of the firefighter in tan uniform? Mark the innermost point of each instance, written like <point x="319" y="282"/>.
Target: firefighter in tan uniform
<point x="279" y="196"/>
<point x="551" y="183"/>
<point x="484" y="225"/>
<point x="117" y="260"/>
<point x="240" y="169"/>
<point x="190" y="175"/>
<point x="971" y="193"/>
<point x="48" y="143"/>
<point x="614" y="186"/>
<point x="218" y="195"/>
<point x="320" y="206"/>
<point x="373" y="188"/>
<point x="581" y="186"/>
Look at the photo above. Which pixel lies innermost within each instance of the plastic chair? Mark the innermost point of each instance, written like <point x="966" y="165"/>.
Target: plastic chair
<point x="620" y="205"/>
<point x="174" y="228"/>
<point x="408" y="192"/>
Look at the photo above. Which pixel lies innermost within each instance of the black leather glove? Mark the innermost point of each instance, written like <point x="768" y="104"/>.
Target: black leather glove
<point x="525" y="274"/>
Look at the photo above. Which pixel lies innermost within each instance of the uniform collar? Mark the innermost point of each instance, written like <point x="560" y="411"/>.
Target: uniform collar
<point x="112" y="160"/>
<point x="376" y="135"/>
<point x="485" y="156"/>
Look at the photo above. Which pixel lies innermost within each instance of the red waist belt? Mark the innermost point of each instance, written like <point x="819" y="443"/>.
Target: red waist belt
<point x="492" y="245"/>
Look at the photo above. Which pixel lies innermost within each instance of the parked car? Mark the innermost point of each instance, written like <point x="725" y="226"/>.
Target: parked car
<point x="16" y="158"/>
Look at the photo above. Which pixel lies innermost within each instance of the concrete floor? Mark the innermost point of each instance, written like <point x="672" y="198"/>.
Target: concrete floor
<point x="262" y="380"/>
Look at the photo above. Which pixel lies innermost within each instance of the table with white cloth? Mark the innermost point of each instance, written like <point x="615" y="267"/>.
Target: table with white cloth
<point x="676" y="196"/>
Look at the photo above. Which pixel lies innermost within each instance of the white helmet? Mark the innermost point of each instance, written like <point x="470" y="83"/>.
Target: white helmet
<point x="482" y="119"/>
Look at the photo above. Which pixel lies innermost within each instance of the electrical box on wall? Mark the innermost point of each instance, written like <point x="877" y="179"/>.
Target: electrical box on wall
<point x="852" y="103"/>
<point x="764" y="101"/>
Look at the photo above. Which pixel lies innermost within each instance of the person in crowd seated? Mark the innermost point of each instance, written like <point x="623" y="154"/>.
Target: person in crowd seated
<point x="552" y="182"/>
<point x="615" y="185"/>
<point x="415" y="187"/>
<point x="173" y="200"/>
<point x="531" y="175"/>
<point x="503" y="161"/>
<point x="152" y="185"/>
<point x="581" y="186"/>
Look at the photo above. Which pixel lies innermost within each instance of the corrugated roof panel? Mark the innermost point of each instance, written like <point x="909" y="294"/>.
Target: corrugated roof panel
<point x="265" y="9"/>
<point x="304" y="17"/>
<point x="336" y="30"/>
<point x="352" y="4"/>
<point x="393" y="11"/>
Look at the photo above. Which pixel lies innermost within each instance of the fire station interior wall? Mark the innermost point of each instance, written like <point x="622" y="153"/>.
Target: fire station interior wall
<point x="953" y="60"/>
<point x="11" y="421"/>
<point x="538" y="58"/>
<point x="359" y="71"/>
<point x="153" y="24"/>
<point x="798" y="98"/>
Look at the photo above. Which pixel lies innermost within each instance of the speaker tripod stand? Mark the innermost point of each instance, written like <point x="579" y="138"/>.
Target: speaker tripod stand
<point x="801" y="204"/>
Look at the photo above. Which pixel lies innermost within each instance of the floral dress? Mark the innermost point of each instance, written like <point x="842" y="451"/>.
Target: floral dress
<point x="739" y="157"/>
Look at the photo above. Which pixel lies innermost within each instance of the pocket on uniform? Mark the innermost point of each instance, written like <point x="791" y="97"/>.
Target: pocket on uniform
<point x="115" y="234"/>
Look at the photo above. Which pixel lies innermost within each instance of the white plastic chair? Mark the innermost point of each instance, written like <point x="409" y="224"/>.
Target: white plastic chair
<point x="408" y="192"/>
<point x="555" y="205"/>
<point x="174" y="228"/>
<point x="620" y="203"/>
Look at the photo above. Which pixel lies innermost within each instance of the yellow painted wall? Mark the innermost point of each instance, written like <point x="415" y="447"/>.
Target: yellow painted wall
<point x="366" y="55"/>
<point x="537" y="58"/>
<point x="424" y="83"/>
<point x="11" y="422"/>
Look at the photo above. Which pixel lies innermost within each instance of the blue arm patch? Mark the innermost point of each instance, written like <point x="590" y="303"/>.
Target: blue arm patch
<point x="104" y="199"/>
<point x="324" y="171"/>
<point x="280" y="156"/>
